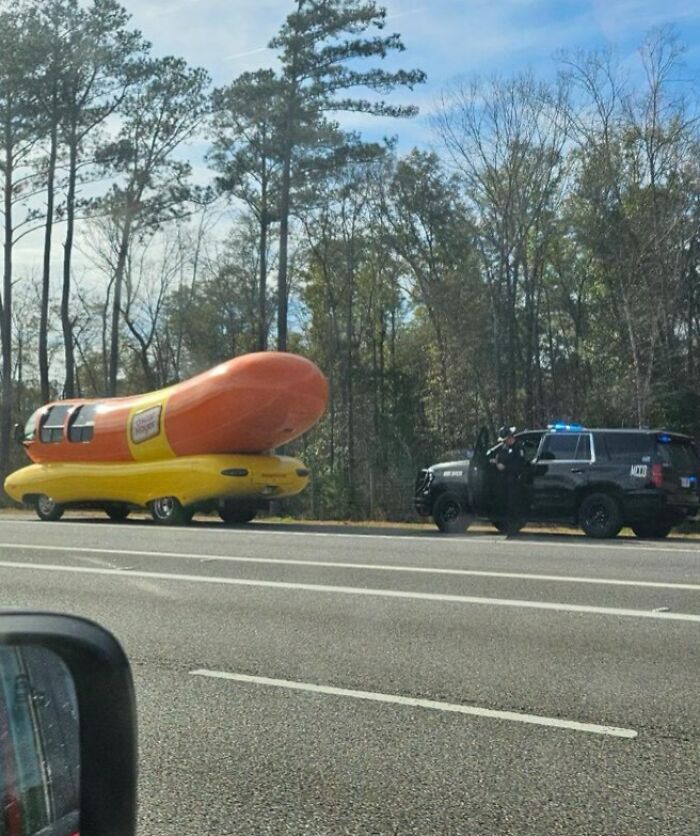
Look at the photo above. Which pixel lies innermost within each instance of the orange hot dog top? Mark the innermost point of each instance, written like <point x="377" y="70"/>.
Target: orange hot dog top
<point x="250" y="404"/>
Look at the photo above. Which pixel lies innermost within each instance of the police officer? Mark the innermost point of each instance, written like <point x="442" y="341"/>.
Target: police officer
<point x="510" y="463"/>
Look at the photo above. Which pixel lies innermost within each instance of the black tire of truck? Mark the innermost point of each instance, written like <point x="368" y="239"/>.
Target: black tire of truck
<point x="449" y="515"/>
<point x="504" y="527"/>
<point x="600" y="516"/>
<point x="652" y="530"/>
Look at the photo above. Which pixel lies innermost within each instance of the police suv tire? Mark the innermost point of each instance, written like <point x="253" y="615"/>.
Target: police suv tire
<point x="652" y="530"/>
<point x="600" y="516"/>
<point x="48" y="509"/>
<point x="448" y="514"/>
<point x="507" y="528"/>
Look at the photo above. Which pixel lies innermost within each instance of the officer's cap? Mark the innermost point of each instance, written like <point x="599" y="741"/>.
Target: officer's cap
<point x="504" y="432"/>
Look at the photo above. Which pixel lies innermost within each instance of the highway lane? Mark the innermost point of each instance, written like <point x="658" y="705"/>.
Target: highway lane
<point x="223" y="756"/>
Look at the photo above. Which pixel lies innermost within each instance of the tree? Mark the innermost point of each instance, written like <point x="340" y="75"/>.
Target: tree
<point x="19" y="134"/>
<point x="101" y="57"/>
<point x="316" y="44"/>
<point x="246" y="153"/>
<point x="507" y="139"/>
<point x="162" y="110"/>
<point x="432" y="233"/>
<point x="634" y="209"/>
<point x="213" y="318"/>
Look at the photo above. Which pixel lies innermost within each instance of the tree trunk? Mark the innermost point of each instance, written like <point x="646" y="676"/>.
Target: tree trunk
<point x="262" y="286"/>
<point x="116" y="307"/>
<point x="46" y="271"/>
<point x="6" y="320"/>
<point x="350" y="390"/>
<point x="66" y="321"/>
<point x="282" y="282"/>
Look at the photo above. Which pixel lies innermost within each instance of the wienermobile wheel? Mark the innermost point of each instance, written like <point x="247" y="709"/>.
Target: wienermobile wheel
<point x="117" y="511"/>
<point x="236" y="513"/>
<point x="48" y="509"/>
<point x="168" y="510"/>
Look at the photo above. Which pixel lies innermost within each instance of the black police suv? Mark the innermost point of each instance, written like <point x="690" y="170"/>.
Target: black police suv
<point x="598" y="479"/>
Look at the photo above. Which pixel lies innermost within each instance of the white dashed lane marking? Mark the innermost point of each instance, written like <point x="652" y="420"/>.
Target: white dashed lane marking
<point x="414" y="702"/>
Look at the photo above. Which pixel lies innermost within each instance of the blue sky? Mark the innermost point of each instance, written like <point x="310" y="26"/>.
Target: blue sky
<point x="446" y="38"/>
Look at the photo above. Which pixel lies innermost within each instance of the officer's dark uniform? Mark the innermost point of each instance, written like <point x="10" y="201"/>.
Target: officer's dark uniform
<point x="509" y="484"/>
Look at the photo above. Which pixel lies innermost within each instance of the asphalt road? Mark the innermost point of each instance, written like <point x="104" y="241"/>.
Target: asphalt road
<point x="389" y="682"/>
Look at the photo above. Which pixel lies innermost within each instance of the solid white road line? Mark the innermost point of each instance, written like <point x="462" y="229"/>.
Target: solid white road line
<point x="396" y="699"/>
<point x="479" y="539"/>
<point x="378" y="567"/>
<point x="352" y="590"/>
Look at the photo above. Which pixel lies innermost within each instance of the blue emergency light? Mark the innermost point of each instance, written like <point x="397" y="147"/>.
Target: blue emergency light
<point x="560" y="426"/>
<point x="664" y="438"/>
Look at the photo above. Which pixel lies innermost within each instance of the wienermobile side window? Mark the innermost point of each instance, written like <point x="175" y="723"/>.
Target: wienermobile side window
<point x="30" y="426"/>
<point x="52" y="423"/>
<point x="82" y="424"/>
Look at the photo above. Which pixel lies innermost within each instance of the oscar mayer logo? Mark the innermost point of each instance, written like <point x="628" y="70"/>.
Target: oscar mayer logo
<point x="145" y="424"/>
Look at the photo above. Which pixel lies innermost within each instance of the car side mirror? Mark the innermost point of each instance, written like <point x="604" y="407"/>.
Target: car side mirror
<point x="18" y="433"/>
<point x="67" y="728"/>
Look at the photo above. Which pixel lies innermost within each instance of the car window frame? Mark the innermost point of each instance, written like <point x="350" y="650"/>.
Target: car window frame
<point x="580" y="434"/>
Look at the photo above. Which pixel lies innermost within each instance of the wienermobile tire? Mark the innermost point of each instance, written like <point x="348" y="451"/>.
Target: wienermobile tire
<point x="168" y="510"/>
<point x="47" y="509"/>
<point x="236" y="513"/>
<point x="117" y="511"/>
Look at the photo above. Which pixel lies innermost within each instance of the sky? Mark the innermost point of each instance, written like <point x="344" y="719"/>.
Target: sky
<point x="448" y="39"/>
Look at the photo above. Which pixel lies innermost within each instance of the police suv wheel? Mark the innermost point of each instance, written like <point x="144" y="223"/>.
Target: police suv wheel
<point x="600" y="516"/>
<point x="448" y="514"/>
<point x="504" y="527"/>
<point x="652" y="530"/>
<point x="48" y="509"/>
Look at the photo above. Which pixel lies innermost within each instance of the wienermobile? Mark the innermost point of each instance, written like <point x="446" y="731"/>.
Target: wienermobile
<point x="204" y="443"/>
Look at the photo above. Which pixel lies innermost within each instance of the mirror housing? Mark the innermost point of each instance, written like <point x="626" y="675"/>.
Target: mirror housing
<point x="106" y="712"/>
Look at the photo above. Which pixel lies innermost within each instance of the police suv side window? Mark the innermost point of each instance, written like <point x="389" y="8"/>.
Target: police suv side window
<point x="627" y="447"/>
<point x="530" y="443"/>
<point x="561" y="447"/>
<point x="583" y="448"/>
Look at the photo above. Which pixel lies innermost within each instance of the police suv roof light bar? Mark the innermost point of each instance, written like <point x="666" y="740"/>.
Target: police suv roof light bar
<point x="560" y="426"/>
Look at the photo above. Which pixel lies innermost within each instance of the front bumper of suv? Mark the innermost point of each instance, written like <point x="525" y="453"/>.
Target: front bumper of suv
<point x="422" y="495"/>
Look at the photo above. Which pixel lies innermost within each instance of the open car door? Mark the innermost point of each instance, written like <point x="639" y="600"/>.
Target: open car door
<point x="480" y="488"/>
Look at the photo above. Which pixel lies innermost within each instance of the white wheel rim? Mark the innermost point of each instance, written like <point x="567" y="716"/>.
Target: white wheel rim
<point x="46" y="505"/>
<point x="164" y="507"/>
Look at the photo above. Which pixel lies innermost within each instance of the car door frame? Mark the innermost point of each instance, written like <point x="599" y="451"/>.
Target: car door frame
<point x="571" y="477"/>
